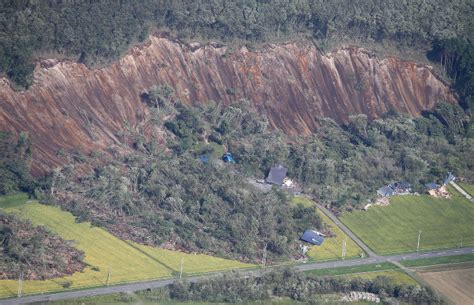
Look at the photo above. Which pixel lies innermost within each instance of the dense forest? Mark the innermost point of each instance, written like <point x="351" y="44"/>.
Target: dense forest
<point x="96" y="32"/>
<point x="33" y="252"/>
<point x="167" y="194"/>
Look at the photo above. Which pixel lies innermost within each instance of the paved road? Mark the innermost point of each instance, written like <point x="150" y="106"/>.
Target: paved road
<point x="162" y="283"/>
<point x="346" y="230"/>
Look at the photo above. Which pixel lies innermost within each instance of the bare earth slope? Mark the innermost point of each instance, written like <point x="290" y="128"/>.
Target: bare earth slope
<point x="73" y="107"/>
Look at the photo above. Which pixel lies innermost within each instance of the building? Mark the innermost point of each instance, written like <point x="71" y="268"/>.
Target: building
<point x="397" y="188"/>
<point x="276" y="175"/>
<point x="385" y="191"/>
<point x="228" y="158"/>
<point x="312" y="237"/>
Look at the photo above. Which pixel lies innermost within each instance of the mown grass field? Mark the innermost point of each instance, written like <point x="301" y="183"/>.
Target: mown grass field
<point x="469" y="188"/>
<point x="371" y="271"/>
<point x="444" y="223"/>
<point x="397" y="276"/>
<point x="331" y="249"/>
<point x="103" y="252"/>
<point x="456" y="259"/>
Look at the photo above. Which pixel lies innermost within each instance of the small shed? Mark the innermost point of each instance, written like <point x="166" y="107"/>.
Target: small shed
<point x="312" y="237"/>
<point x="228" y="158"/>
<point x="277" y="174"/>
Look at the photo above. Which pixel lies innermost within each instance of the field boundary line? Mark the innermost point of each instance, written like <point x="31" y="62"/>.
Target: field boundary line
<point x="346" y="230"/>
<point x="148" y="255"/>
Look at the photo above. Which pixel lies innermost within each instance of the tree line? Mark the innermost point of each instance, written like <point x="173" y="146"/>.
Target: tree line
<point x="96" y="32"/>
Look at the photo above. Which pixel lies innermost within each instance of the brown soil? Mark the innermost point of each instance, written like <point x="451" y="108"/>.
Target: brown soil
<point x="457" y="284"/>
<point x="71" y="107"/>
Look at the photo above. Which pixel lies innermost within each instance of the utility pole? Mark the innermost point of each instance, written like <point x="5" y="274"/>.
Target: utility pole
<point x="264" y="258"/>
<point x="418" y="244"/>
<point x="344" y="245"/>
<point x="20" y="284"/>
<point x="109" y="274"/>
<point x="181" y="269"/>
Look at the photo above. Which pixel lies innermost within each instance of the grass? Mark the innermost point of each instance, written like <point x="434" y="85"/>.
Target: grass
<point x="331" y="248"/>
<point x="370" y="271"/>
<point x="469" y="188"/>
<point x="192" y="263"/>
<point x="438" y="260"/>
<point x="103" y="252"/>
<point x="397" y="276"/>
<point x="394" y="228"/>
<point x="353" y="269"/>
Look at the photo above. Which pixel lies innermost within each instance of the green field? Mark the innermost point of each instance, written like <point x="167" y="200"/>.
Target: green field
<point x="370" y="271"/>
<point x="103" y="252"/>
<point x="353" y="269"/>
<point x="444" y="223"/>
<point x="469" y="188"/>
<point x="438" y="260"/>
<point x="396" y="275"/>
<point x="332" y="247"/>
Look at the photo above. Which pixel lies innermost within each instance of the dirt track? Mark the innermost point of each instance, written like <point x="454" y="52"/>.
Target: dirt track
<point x="455" y="283"/>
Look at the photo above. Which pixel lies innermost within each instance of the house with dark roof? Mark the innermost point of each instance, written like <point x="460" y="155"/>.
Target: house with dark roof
<point x="385" y="191"/>
<point x="276" y="175"/>
<point x="397" y="188"/>
<point x="312" y="237"/>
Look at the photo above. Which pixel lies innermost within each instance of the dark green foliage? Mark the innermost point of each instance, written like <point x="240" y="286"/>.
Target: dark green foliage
<point x="456" y="55"/>
<point x="233" y="288"/>
<point x="15" y="154"/>
<point x="34" y="251"/>
<point x="94" y="32"/>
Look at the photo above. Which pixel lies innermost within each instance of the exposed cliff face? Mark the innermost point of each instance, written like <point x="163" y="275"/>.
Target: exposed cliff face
<point x="73" y="107"/>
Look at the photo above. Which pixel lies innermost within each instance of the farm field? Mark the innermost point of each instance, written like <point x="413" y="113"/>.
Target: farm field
<point x="456" y="259"/>
<point x="397" y="276"/>
<point x="103" y="253"/>
<point x="453" y="282"/>
<point x="445" y="223"/>
<point x="469" y="188"/>
<point x="331" y="249"/>
<point x="352" y="269"/>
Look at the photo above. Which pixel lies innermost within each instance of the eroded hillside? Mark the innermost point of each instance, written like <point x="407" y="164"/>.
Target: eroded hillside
<point x="72" y="107"/>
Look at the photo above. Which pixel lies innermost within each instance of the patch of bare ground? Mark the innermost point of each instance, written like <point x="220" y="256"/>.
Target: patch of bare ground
<point x="456" y="281"/>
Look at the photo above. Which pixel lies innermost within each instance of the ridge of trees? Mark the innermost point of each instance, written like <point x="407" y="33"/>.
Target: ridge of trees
<point x="96" y="32"/>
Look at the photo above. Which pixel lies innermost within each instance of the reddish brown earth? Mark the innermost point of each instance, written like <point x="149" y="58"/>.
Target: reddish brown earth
<point x="73" y="107"/>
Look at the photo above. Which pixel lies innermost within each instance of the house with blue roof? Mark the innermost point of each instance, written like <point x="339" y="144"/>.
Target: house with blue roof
<point x="312" y="237"/>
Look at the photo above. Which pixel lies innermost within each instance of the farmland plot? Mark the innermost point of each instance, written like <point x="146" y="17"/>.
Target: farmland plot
<point x="110" y="260"/>
<point x="444" y="223"/>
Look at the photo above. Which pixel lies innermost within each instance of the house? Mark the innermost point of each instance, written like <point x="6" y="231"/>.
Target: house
<point x="401" y="187"/>
<point x="385" y="191"/>
<point x="228" y="158"/>
<point x="276" y="175"/>
<point x="312" y="237"/>
<point x="397" y="188"/>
